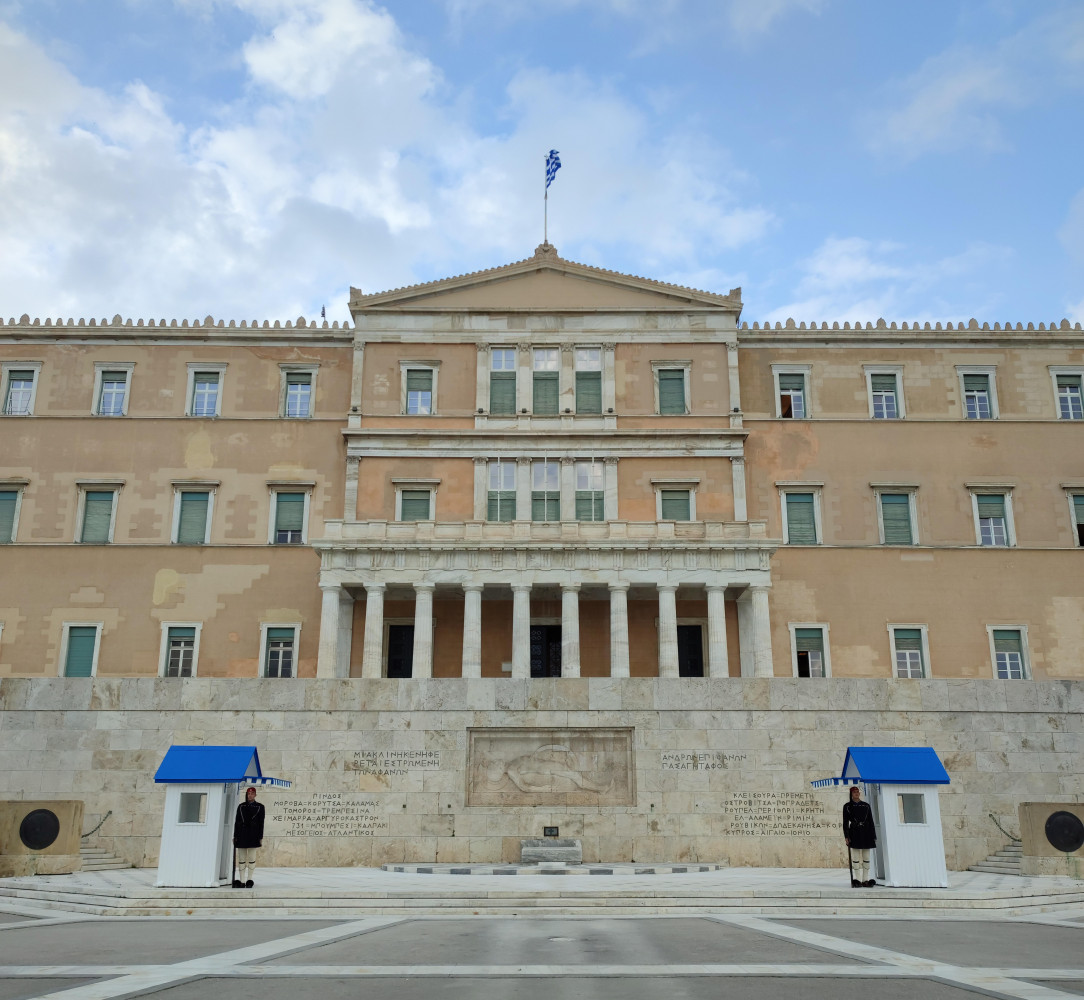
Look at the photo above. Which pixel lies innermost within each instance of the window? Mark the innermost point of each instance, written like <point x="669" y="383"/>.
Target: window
<point x="897" y="518"/>
<point x="192" y="807"/>
<point x="912" y="808"/>
<point x="205" y="390"/>
<point x="419" y="391"/>
<point x="1067" y="388"/>
<point x="588" y="380"/>
<point x="791" y="391"/>
<point x="1009" y="650"/>
<point x="675" y="505"/>
<point x="885" y="397"/>
<point x="1076" y="508"/>
<point x="546" y="381"/>
<point x="909" y="650"/>
<point x="290" y="516"/>
<point x="672" y="387"/>
<point x="415" y="505"/>
<point x="545" y="491"/>
<point x="590" y="491"/>
<point x="20" y="383"/>
<point x="192" y="516"/>
<point x="98" y="515"/>
<point x="810" y="645"/>
<point x="111" y="389"/>
<point x="180" y="647"/>
<point x="501" y="502"/>
<point x="280" y="648"/>
<point x="298" y="391"/>
<point x="80" y="658"/>
<point x="801" y="517"/>
<point x="993" y="524"/>
<point x="979" y="392"/>
<point x="502" y="381"/>
<point x="10" y="502"/>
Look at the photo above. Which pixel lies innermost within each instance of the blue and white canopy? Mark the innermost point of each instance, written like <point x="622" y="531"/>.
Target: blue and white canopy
<point x="889" y="766"/>
<point x="211" y="765"/>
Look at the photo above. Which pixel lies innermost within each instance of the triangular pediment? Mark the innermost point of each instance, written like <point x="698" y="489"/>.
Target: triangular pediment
<point x="544" y="283"/>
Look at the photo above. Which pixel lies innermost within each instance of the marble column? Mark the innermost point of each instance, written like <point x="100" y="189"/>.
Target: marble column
<point x="521" y="630"/>
<point x="327" y="656"/>
<point x="570" y="630"/>
<point x="523" y="489"/>
<point x="481" y="488"/>
<point x="568" y="489"/>
<point x="346" y="633"/>
<point x="762" y="634"/>
<point x="619" y="630"/>
<point x="472" y="630"/>
<point x="668" y="643"/>
<point x="422" y="660"/>
<point x="737" y="478"/>
<point x="372" y="653"/>
<point x="717" y="655"/>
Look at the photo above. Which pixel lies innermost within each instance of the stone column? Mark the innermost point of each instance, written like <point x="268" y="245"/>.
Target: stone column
<point x="524" y="378"/>
<point x="737" y="475"/>
<point x="568" y="489"/>
<point x="609" y="377"/>
<point x="346" y="633"/>
<point x="481" y="383"/>
<point x="570" y="630"/>
<point x="762" y="634"/>
<point x="567" y="380"/>
<point x="717" y="656"/>
<point x="745" y="633"/>
<point x="372" y="652"/>
<point x="523" y="489"/>
<point x="521" y="630"/>
<point x="350" y="495"/>
<point x="668" y="644"/>
<point x="472" y="630"/>
<point x="481" y="488"/>
<point x="619" y="630"/>
<point x="609" y="499"/>
<point x="327" y="656"/>
<point x="357" y="382"/>
<point x="422" y="660"/>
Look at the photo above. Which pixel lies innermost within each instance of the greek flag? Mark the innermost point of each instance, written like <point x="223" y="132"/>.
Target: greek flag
<point x="553" y="164"/>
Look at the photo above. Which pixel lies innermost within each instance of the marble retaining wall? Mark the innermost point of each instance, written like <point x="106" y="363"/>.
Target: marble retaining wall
<point x="638" y="769"/>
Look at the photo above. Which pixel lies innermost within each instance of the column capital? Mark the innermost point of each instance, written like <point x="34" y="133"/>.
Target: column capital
<point x="714" y="588"/>
<point x="609" y="345"/>
<point x="473" y="587"/>
<point x="523" y="460"/>
<point x="375" y="588"/>
<point x="737" y="459"/>
<point x="566" y="348"/>
<point x="520" y="588"/>
<point x="325" y="586"/>
<point x="523" y="348"/>
<point x="667" y="588"/>
<point x="481" y="460"/>
<point x="618" y="585"/>
<point x="425" y="585"/>
<point x="569" y="587"/>
<point x="610" y="461"/>
<point x="567" y="460"/>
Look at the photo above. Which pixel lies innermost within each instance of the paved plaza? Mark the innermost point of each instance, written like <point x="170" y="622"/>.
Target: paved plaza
<point x="49" y="951"/>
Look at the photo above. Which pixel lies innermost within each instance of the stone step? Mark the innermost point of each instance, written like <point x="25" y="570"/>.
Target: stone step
<point x="97" y="859"/>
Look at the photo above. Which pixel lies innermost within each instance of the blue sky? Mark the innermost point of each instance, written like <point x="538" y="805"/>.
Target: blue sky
<point x="840" y="160"/>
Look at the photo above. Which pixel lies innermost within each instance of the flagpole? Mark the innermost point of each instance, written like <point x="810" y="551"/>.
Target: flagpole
<point x="546" y="203"/>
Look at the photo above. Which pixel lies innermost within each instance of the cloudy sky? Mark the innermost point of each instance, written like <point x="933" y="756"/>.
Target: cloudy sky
<point x="840" y="160"/>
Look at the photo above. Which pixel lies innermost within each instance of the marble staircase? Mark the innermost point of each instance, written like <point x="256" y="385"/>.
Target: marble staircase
<point x="1003" y="862"/>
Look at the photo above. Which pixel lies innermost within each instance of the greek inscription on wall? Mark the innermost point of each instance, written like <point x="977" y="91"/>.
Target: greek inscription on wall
<point x="699" y="760"/>
<point x="775" y="814"/>
<point x="327" y="814"/>
<point x="392" y="762"/>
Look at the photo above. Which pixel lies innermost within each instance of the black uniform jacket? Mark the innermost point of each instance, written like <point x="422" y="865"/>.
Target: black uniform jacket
<point x="248" y="825"/>
<point x="858" y="825"/>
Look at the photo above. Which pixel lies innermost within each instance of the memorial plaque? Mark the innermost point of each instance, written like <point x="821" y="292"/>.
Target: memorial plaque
<point x="550" y="767"/>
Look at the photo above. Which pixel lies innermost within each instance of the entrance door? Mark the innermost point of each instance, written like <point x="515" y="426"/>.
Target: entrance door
<point x="690" y="651"/>
<point x="545" y="650"/>
<point x="400" y="650"/>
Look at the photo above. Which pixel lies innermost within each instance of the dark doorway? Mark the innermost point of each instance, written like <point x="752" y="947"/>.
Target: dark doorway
<point x="400" y="650"/>
<point x="545" y="650"/>
<point x="690" y="651"/>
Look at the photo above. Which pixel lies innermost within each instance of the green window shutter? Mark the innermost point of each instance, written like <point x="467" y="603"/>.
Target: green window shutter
<point x="1069" y="381"/>
<point x="883" y="383"/>
<point x="280" y="634"/>
<point x="299" y="378"/>
<point x="206" y="378"/>
<point x="502" y="392"/>
<point x="674" y="505"/>
<point x="801" y="520"/>
<point x="671" y="390"/>
<point x="419" y="380"/>
<point x="792" y="383"/>
<point x="896" y="517"/>
<point x="80" y="658"/>
<point x="501" y="505"/>
<point x="1007" y="641"/>
<point x="545" y="506"/>
<point x="976" y="383"/>
<point x="1078" y="509"/>
<point x="545" y="393"/>
<point x="590" y="505"/>
<point x="289" y="511"/>
<point x="991" y="504"/>
<point x="588" y="392"/>
<point x="415" y="505"/>
<point x="182" y="632"/>
<point x="7" y="515"/>
<point x="809" y="640"/>
<point x="97" y="513"/>
<point x="192" y="520"/>
<point x="908" y="638"/>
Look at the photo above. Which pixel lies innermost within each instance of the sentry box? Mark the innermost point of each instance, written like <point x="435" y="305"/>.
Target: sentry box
<point x="203" y="787"/>
<point x="901" y="786"/>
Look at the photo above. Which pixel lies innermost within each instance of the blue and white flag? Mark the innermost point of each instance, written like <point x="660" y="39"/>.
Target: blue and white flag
<point x="553" y="164"/>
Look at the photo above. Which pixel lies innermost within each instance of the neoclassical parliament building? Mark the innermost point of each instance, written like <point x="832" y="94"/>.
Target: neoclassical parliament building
<point x="554" y="499"/>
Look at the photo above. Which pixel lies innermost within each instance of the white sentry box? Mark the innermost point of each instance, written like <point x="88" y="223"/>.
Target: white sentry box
<point x="197" y="835"/>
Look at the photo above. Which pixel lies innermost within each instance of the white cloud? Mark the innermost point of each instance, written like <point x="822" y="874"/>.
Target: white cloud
<point x="755" y="17"/>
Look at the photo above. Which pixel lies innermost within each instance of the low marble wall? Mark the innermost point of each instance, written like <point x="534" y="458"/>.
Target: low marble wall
<point x="720" y="768"/>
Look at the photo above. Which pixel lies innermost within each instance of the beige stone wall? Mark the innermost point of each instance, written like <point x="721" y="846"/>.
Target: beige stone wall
<point x="719" y="764"/>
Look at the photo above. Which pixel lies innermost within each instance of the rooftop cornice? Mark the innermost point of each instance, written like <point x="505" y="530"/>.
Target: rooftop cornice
<point x="971" y="327"/>
<point x="120" y="328"/>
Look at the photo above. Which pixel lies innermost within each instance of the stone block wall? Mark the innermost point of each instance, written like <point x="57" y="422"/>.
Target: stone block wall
<point x="720" y="768"/>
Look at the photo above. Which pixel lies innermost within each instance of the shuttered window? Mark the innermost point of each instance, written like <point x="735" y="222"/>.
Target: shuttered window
<point x="97" y="516"/>
<point x="545" y="506"/>
<point x="501" y="500"/>
<point x="419" y="390"/>
<point x="885" y="404"/>
<point x="908" y="644"/>
<point x="1078" y="518"/>
<point x="588" y="392"/>
<point x="896" y="518"/>
<point x="792" y="396"/>
<point x="1009" y="654"/>
<point x="809" y="651"/>
<point x="192" y="518"/>
<point x="20" y="393"/>
<point x="590" y="505"/>
<point x="977" y="397"/>
<point x="289" y="518"/>
<point x="79" y="661"/>
<point x="801" y="519"/>
<point x="111" y="397"/>
<point x="671" y="390"/>
<point x="993" y="525"/>
<point x="1070" y="402"/>
<point x="414" y="505"/>
<point x="545" y="393"/>
<point x="205" y="394"/>
<point x="298" y="394"/>
<point x="8" y="499"/>
<point x="180" y="651"/>
<point x="502" y="393"/>
<point x="675" y="505"/>
<point x="279" y="659"/>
